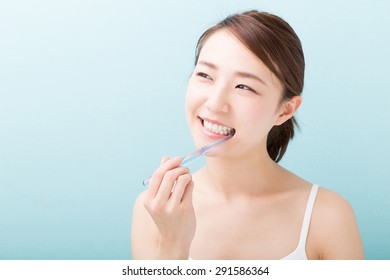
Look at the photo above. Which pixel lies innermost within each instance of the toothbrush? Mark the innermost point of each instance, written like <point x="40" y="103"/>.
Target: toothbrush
<point x="198" y="154"/>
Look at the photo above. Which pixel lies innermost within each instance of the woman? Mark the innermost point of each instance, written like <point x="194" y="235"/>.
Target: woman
<point x="242" y="204"/>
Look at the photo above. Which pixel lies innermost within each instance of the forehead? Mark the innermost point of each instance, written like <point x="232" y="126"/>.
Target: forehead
<point x="226" y="51"/>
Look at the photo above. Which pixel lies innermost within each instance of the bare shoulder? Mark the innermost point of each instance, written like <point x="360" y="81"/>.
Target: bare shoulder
<point x="143" y="230"/>
<point x="333" y="232"/>
<point x="331" y="203"/>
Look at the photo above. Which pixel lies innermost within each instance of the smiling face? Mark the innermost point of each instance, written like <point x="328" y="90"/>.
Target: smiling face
<point x="231" y="88"/>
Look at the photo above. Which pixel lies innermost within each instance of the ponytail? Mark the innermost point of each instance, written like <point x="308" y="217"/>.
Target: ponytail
<point x="279" y="137"/>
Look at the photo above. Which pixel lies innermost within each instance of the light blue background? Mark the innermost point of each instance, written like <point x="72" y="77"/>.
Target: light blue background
<point x="92" y="95"/>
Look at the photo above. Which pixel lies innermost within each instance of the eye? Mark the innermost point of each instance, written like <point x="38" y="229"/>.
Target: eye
<point x="203" y="75"/>
<point x="244" y="87"/>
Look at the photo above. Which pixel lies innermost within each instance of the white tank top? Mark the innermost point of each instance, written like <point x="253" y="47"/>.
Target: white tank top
<point x="300" y="252"/>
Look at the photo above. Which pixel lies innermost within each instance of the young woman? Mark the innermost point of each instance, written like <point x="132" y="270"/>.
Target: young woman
<point x="242" y="204"/>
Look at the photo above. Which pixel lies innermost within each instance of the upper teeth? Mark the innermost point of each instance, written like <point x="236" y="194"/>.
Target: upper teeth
<point x="216" y="128"/>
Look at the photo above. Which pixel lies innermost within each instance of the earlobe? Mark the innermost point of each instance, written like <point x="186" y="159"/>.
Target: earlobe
<point x="288" y="109"/>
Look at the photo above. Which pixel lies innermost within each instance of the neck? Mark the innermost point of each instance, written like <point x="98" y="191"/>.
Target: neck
<point x="253" y="174"/>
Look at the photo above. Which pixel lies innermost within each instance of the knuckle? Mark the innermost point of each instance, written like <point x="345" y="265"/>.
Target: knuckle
<point x="147" y="204"/>
<point x="160" y="210"/>
<point x="186" y="170"/>
<point x="171" y="174"/>
<point x="186" y="206"/>
<point x="153" y="207"/>
<point x="169" y="211"/>
<point x="156" y="208"/>
<point x="185" y="178"/>
<point x="158" y="173"/>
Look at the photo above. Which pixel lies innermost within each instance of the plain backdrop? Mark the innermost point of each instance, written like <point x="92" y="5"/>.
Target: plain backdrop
<point x="92" y="96"/>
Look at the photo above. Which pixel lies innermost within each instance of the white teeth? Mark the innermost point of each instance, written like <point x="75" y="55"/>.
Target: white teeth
<point x="216" y="128"/>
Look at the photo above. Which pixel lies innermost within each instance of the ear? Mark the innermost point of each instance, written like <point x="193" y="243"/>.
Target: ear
<point x="288" y="109"/>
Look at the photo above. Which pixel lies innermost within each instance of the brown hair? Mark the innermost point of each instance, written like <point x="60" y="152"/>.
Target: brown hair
<point x="272" y="40"/>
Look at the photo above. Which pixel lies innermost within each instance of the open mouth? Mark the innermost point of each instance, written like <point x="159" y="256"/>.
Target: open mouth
<point x="217" y="128"/>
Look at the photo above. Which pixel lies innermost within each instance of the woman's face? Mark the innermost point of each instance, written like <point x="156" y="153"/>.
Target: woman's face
<point x="231" y="88"/>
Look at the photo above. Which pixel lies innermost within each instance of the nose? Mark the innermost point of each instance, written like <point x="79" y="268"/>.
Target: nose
<point x="218" y="99"/>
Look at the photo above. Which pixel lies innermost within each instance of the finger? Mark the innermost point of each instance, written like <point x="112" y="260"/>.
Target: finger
<point x="169" y="182"/>
<point x="181" y="184"/>
<point x="164" y="159"/>
<point x="187" y="195"/>
<point x="159" y="173"/>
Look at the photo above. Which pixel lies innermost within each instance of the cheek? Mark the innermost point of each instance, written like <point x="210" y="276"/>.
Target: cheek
<point x="190" y="99"/>
<point x="254" y="112"/>
<point x="256" y="117"/>
<point x="193" y="99"/>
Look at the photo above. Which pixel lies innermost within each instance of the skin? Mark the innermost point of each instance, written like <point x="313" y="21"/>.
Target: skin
<point x="241" y="205"/>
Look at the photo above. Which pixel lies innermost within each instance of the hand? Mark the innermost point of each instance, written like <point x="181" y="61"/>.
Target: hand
<point x="169" y="203"/>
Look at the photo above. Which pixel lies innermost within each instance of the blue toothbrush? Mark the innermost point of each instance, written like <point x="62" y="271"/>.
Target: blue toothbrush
<point x="198" y="154"/>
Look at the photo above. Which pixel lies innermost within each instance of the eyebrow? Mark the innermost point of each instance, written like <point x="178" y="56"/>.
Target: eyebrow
<point x="238" y="73"/>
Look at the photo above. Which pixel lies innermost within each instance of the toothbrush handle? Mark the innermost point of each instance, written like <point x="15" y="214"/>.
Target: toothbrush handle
<point x="197" y="154"/>
<point x="186" y="161"/>
<point x="146" y="182"/>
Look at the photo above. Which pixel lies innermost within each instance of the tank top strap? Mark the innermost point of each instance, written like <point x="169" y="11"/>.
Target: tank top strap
<point x="307" y="217"/>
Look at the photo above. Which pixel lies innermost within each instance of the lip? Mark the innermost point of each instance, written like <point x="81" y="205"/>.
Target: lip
<point x="208" y="133"/>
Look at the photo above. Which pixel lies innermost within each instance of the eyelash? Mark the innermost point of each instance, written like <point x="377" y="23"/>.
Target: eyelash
<point x="203" y="75"/>
<point x="240" y="86"/>
<point x="244" y="87"/>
